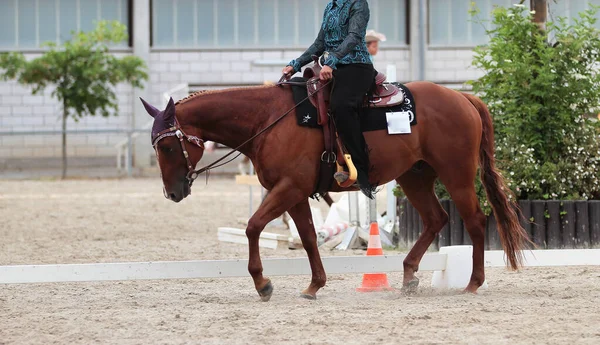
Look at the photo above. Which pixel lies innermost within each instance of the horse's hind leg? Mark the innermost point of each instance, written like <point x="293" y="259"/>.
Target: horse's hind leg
<point x="419" y="188"/>
<point x="462" y="190"/>
<point x="303" y="220"/>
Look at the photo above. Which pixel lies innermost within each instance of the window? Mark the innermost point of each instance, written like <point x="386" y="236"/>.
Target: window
<point x="28" y="23"/>
<point x="450" y="23"/>
<point x="258" y="23"/>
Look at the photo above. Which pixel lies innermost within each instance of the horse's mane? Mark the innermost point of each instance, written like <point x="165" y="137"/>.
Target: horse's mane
<point x="217" y="91"/>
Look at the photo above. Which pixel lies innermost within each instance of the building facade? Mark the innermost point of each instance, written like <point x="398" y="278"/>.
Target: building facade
<point x="218" y="44"/>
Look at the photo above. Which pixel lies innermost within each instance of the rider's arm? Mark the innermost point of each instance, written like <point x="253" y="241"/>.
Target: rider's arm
<point x="316" y="48"/>
<point x="359" y="18"/>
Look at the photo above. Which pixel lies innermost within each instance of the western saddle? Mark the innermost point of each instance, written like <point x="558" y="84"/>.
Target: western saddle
<point x="384" y="95"/>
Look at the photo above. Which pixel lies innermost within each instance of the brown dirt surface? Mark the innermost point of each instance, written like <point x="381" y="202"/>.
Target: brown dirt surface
<point x="77" y="221"/>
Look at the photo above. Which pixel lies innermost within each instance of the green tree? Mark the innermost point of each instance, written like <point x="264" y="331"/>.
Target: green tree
<point x="82" y="72"/>
<point x="543" y="91"/>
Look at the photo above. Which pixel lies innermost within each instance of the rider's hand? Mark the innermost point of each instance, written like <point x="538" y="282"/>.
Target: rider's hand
<point x="326" y="73"/>
<point x="288" y="71"/>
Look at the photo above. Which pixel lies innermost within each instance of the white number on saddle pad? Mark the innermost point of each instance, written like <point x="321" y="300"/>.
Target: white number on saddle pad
<point x="399" y="122"/>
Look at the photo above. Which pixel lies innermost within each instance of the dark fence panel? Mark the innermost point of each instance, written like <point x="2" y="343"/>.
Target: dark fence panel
<point x="582" y="224"/>
<point x="525" y="206"/>
<point x="551" y="225"/>
<point x="403" y="225"/>
<point x="444" y="236"/>
<point x="539" y="223"/>
<point x="594" y="212"/>
<point x="567" y="224"/>
<point x="456" y="226"/>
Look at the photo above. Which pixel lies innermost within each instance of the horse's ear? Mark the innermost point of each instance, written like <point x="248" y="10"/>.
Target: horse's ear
<point x="152" y="111"/>
<point x="169" y="113"/>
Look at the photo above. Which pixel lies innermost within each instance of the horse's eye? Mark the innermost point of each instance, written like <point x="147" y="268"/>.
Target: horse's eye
<point x="166" y="149"/>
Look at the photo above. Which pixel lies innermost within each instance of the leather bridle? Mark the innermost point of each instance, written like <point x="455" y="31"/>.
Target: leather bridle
<point x="179" y="133"/>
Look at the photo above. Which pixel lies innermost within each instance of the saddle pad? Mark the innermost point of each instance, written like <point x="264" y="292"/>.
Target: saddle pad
<point x="372" y="119"/>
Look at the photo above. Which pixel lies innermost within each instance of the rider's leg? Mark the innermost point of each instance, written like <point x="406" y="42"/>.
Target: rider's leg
<point x="351" y="84"/>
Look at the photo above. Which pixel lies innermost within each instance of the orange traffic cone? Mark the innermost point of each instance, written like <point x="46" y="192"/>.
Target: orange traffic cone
<point x="374" y="281"/>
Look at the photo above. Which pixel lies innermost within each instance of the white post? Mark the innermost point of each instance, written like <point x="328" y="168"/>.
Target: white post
<point x="141" y="49"/>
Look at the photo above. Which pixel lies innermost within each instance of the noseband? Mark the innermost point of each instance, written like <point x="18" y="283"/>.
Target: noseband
<point x="179" y="133"/>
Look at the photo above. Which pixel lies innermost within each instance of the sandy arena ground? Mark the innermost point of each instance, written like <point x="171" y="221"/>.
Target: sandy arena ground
<point x="43" y="222"/>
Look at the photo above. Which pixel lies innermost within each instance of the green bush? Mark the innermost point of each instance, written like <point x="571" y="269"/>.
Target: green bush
<point x="542" y="96"/>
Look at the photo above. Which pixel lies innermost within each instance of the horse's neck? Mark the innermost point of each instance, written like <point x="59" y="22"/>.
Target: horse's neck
<point x="230" y="117"/>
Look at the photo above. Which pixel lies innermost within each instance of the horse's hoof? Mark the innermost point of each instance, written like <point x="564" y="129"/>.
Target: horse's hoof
<point x="266" y="292"/>
<point x="308" y="296"/>
<point x="411" y="287"/>
<point x="470" y="291"/>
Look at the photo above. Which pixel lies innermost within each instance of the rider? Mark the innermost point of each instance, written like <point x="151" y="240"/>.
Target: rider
<point x="343" y="53"/>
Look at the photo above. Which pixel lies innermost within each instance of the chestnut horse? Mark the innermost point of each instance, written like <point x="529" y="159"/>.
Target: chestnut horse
<point x="454" y="136"/>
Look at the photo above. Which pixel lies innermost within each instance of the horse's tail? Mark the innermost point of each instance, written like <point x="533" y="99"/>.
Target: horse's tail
<point x="512" y="235"/>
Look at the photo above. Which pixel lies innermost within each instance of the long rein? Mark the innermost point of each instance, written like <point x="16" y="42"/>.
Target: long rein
<point x="193" y="174"/>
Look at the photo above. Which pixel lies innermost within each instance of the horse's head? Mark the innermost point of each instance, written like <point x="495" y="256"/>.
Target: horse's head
<point x="177" y="152"/>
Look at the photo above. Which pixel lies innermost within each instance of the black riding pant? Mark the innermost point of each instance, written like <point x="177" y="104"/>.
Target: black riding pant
<point x="351" y="84"/>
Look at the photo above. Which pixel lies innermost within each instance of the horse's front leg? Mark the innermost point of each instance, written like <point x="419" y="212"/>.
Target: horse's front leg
<point x="282" y="197"/>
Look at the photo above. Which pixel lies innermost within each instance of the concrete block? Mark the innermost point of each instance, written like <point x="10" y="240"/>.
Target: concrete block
<point x="240" y="66"/>
<point x="46" y="110"/>
<point x="252" y="77"/>
<point x="189" y="56"/>
<point x="154" y="57"/>
<point x="168" y="56"/>
<point x="37" y="121"/>
<point x="21" y="110"/>
<point x="231" y="56"/>
<point x="272" y="55"/>
<point x="169" y="77"/>
<point x="272" y="76"/>
<point x="231" y="77"/>
<point x="33" y="100"/>
<point x="396" y="55"/>
<point x="210" y="78"/>
<point x="200" y="66"/>
<point x="11" y="100"/>
<point x="220" y="66"/>
<point x="251" y="56"/>
<point x="191" y="78"/>
<point x="6" y="88"/>
<point x="443" y="75"/>
<point x="210" y="56"/>
<point x="159" y="67"/>
<point x="459" y="266"/>
<point x="179" y="67"/>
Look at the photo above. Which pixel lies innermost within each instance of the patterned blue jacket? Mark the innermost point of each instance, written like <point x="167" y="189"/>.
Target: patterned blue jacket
<point x="342" y="35"/>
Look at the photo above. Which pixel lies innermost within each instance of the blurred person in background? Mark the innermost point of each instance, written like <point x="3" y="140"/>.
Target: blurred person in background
<point x="373" y="38"/>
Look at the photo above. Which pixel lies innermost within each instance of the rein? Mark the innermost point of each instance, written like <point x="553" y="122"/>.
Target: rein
<point x="176" y="130"/>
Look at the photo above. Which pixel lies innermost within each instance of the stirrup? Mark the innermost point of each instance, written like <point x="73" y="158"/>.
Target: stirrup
<point x="352" y="173"/>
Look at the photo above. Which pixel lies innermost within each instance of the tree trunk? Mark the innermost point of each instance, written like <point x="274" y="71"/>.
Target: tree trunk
<point x="64" y="140"/>
<point x="541" y="13"/>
